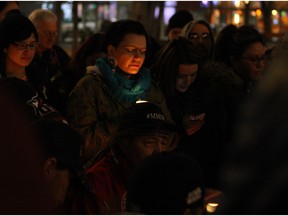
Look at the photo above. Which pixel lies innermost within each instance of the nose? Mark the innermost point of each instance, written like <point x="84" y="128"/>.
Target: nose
<point x="261" y="63"/>
<point x="138" y="54"/>
<point x="158" y="146"/>
<point x="27" y="49"/>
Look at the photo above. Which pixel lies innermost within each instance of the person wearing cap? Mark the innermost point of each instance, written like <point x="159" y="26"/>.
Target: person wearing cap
<point x="177" y="22"/>
<point x="167" y="183"/>
<point x="143" y="131"/>
<point x="50" y="57"/>
<point x="114" y="84"/>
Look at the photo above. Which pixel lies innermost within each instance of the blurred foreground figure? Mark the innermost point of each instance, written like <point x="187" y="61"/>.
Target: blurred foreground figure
<point x="21" y="182"/>
<point x="256" y="177"/>
<point x="166" y="183"/>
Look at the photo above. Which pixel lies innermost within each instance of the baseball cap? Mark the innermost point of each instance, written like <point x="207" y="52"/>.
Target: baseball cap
<point x="145" y="117"/>
<point x="165" y="183"/>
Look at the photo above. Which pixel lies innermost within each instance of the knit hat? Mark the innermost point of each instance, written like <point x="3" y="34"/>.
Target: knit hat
<point x="145" y="117"/>
<point x="179" y="19"/>
<point x="15" y="27"/>
<point x="165" y="183"/>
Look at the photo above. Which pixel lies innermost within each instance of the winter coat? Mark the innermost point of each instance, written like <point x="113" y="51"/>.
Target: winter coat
<point x="108" y="179"/>
<point x="95" y="114"/>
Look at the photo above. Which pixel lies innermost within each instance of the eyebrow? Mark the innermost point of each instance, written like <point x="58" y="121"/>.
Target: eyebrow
<point x="134" y="46"/>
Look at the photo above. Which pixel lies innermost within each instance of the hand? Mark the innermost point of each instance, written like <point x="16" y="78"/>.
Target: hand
<point x="193" y="123"/>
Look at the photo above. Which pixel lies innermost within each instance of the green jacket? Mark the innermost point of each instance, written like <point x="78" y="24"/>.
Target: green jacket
<point x="93" y="113"/>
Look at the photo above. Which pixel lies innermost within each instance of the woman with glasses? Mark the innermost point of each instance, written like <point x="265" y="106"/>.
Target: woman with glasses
<point x="244" y="50"/>
<point x="200" y="33"/>
<point x="19" y="41"/>
<point x="18" y="44"/>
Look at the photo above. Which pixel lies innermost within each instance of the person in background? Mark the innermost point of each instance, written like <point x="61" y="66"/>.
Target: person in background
<point x="222" y="44"/>
<point x="37" y="157"/>
<point x="86" y="55"/>
<point x="177" y="22"/>
<point x="143" y="131"/>
<point x="19" y="41"/>
<point x="175" y="70"/>
<point x="200" y="33"/>
<point x="152" y="49"/>
<point x="116" y="82"/>
<point x="21" y="184"/>
<point x="50" y="58"/>
<point x="167" y="183"/>
<point x="61" y="147"/>
<point x="6" y="6"/>
<point x="245" y="54"/>
<point x="255" y="174"/>
<point x="195" y="104"/>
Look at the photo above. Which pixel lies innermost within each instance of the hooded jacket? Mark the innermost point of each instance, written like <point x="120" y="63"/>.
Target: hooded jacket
<point x="189" y="26"/>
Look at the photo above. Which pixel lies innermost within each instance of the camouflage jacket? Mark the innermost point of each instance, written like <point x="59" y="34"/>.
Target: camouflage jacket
<point x="92" y="112"/>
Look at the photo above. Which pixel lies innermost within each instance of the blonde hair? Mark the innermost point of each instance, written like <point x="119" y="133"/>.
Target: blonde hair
<point x="40" y="15"/>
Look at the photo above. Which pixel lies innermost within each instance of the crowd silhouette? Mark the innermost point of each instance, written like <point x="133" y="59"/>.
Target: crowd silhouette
<point x="131" y="126"/>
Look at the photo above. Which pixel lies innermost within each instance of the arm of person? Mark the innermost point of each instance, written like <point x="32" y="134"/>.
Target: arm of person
<point x="84" y="115"/>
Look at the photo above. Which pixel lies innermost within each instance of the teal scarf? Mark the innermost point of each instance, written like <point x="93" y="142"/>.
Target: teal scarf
<point x="122" y="89"/>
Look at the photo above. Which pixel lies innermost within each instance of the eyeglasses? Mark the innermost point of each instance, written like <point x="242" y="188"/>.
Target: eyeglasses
<point x="50" y="33"/>
<point x="25" y="46"/>
<point x="255" y="59"/>
<point x="196" y="36"/>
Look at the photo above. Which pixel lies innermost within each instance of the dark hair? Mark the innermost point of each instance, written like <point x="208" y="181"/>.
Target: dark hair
<point x="117" y="30"/>
<point x="179" y="19"/>
<point x="59" y="140"/>
<point x="3" y="4"/>
<point x="222" y="44"/>
<point x="78" y="62"/>
<point x="244" y="37"/>
<point x="234" y="42"/>
<point x="174" y="53"/>
<point x="161" y="184"/>
<point x="15" y="27"/>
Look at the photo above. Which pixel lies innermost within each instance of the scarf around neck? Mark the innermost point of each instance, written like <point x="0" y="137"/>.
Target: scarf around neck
<point x="122" y="89"/>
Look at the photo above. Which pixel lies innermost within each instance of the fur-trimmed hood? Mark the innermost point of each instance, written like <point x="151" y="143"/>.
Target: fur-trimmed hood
<point x="189" y="26"/>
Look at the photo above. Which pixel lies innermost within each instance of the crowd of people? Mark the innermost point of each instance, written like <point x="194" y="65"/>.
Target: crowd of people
<point x="130" y="126"/>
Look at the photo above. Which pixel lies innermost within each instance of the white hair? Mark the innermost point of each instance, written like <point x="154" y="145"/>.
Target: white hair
<point x="40" y="15"/>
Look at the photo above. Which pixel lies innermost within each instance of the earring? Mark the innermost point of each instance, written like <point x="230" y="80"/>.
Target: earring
<point x="113" y="62"/>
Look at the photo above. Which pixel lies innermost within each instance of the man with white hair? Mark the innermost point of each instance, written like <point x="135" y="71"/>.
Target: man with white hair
<point x="51" y="58"/>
